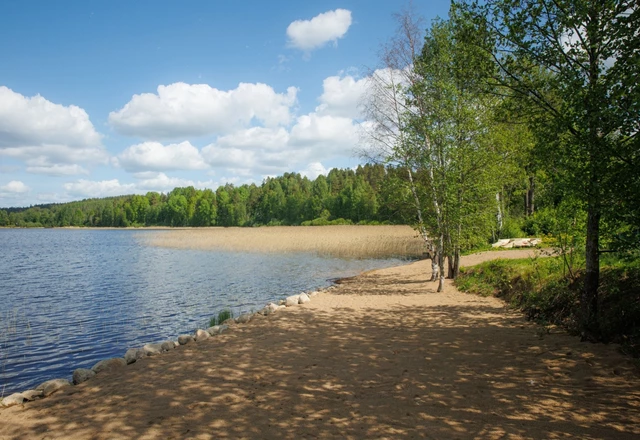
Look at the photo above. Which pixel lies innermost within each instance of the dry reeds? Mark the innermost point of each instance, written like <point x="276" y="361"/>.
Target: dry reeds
<point x="338" y="241"/>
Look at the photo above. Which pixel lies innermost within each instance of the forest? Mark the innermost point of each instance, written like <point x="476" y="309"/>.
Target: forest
<point x="370" y="194"/>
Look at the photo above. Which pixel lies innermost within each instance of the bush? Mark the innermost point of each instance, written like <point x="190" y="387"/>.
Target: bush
<point x="511" y="228"/>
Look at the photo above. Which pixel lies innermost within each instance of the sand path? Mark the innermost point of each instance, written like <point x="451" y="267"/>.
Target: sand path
<point x="381" y="356"/>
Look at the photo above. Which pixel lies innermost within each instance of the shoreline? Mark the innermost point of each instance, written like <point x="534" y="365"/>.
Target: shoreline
<point x="381" y="355"/>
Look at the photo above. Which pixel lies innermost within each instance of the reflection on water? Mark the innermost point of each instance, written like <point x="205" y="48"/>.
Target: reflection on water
<point x="69" y="298"/>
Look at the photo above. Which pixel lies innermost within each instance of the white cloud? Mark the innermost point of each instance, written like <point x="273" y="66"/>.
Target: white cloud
<point x="44" y="134"/>
<point x="256" y="138"/>
<point x="184" y="110"/>
<point x="311" y="34"/>
<point x="313" y="170"/>
<point x="326" y="134"/>
<point x="163" y="183"/>
<point x="13" y="189"/>
<point x="57" y="170"/>
<point x="342" y="96"/>
<point x="103" y="188"/>
<point x="153" y="156"/>
<point x="158" y="182"/>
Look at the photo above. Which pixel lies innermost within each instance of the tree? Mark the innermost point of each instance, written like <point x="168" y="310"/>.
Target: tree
<point x="576" y="63"/>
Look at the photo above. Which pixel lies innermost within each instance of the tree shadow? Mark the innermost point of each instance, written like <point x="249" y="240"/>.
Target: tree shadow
<point x="444" y="371"/>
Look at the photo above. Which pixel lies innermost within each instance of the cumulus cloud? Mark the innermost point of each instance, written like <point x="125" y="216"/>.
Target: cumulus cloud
<point x="44" y="134"/>
<point x="342" y="96"/>
<point x="326" y="134"/>
<point x="308" y="35"/>
<point x="57" y="170"/>
<point x="103" y="188"/>
<point x="313" y="170"/>
<point x="153" y="156"/>
<point x="13" y="189"/>
<point x="158" y="182"/>
<point x="187" y="110"/>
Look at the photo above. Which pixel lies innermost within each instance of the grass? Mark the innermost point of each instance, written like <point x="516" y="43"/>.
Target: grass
<point x="346" y="241"/>
<point x="542" y="290"/>
<point x="223" y="315"/>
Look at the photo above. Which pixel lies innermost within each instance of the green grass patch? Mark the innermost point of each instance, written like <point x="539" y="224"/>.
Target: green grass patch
<point x="542" y="289"/>
<point x="223" y="315"/>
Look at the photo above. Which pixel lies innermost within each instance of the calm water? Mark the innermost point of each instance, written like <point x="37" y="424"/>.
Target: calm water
<point x="69" y="298"/>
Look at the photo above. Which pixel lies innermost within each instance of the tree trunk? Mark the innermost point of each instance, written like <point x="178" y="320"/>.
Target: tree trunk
<point x="529" y="197"/>
<point x="441" y="262"/>
<point x="499" y="214"/>
<point x="435" y="269"/>
<point x="589" y="300"/>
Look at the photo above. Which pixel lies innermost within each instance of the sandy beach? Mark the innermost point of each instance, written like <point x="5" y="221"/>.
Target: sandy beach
<point x="380" y="356"/>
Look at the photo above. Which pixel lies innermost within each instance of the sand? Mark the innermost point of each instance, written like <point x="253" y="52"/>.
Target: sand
<point x="381" y="356"/>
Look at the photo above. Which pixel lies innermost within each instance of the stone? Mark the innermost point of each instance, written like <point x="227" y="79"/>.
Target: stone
<point x="282" y="302"/>
<point x="132" y="355"/>
<point x="32" y="394"/>
<point x="273" y="307"/>
<point x="244" y="318"/>
<point x="82" y="375"/>
<point x="282" y="307"/>
<point x="152" y="349"/>
<point x="265" y="311"/>
<point x="185" y="339"/>
<point x="13" y="399"/>
<point x="167" y="346"/>
<point x="201" y="335"/>
<point x="291" y="300"/>
<point x="501" y="242"/>
<point x="217" y="329"/>
<point x="303" y="298"/>
<point x="229" y="321"/>
<point x="108" y="365"/>
<point x="312" y="294"/>
<point x="51" y="386"/>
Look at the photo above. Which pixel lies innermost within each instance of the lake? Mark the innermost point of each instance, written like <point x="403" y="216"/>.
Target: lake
<point x="69" y="298"/>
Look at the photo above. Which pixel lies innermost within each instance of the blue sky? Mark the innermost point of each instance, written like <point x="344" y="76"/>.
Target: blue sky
<point x="105" y="98"/>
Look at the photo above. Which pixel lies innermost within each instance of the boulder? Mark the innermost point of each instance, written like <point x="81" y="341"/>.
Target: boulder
<point x="312" y="294"/>
<point x="13" y="399"/>
<point x="291" y="300"/>
<point x="244" y="318"/>
<point x="282" y="307"/>
<point x="217" y="329"/>
<point x="501" y="242"/>
<point x="167" y="346"/>
<point x="265" y="311"/>
<point x="82" y="375"/>
<point x="273" y="307"/>
<point x="108" y="365"/>
<point x="51" y="386"/>
<point x="185" y="339"/>
<point x="303" y="298"/>
<point x="133" y="354"/>
<point x="32" y="394"/>
<point x="201" y="335"/>
<point x="152" y="349"/>
<point x="229" y="321"/>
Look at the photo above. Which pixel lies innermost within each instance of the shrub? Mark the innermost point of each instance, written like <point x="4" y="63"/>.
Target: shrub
<point x="223" y="315"/>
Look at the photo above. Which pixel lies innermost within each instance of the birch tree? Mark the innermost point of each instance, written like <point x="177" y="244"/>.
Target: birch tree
<point x="577" y="62"/>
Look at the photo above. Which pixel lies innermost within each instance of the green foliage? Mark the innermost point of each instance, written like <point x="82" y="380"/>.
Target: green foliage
<point x="543" y="290"/>
<point x="223" y="315"/>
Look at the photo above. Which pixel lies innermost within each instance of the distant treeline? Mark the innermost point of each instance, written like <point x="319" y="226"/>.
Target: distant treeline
<point x="371" y="194"/>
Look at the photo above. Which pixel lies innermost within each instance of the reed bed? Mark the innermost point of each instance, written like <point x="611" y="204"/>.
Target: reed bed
<point x="337" y="241"/>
